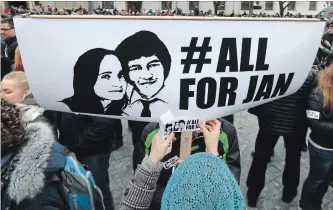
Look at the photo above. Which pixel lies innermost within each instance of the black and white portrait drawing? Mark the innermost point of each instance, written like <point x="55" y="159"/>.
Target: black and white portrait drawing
<point x="176" y="127"/>
<point x="179" y="126"/>
<point x="146" y="63"/>
<point x="168" y="129"/>
<point x="141" y="63"/>
<point x="99" y="85"/>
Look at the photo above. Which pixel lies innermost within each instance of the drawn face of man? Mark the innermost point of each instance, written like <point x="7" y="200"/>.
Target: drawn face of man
<point x="147" y="73"/>
<point x="181" y="124"/>
<point x="110" y="83"/>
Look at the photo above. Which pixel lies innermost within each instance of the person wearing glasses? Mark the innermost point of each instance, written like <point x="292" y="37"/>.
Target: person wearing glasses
<point x="9" y="45"/>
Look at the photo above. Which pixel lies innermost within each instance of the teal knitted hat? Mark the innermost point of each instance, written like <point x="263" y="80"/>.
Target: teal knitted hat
<point x="202" y="182"/>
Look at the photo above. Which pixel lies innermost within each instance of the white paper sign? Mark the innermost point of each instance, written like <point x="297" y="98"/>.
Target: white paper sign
<point x="313" y="114"/>
<point x="165" y="119"/>
<point x="171" y="162"/>
<point x="140" y="69"/>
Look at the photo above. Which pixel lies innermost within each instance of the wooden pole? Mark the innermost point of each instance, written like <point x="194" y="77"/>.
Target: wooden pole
<point x="185" y="144"/>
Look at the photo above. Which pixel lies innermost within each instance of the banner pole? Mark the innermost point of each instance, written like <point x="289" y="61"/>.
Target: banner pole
<point x="185" y="144"/>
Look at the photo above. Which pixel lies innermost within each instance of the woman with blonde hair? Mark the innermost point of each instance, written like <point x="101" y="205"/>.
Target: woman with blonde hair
<point x="320" y="115"/>
<point x="15" y="90"/>
<point x="18" y="65"/>
<point x="15" y="87"/>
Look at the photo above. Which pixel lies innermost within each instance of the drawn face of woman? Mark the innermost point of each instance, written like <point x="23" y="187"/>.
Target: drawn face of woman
<point x="110" y="83"/>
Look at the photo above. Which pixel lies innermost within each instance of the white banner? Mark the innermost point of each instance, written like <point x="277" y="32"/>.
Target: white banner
<point x="140" y="69"/>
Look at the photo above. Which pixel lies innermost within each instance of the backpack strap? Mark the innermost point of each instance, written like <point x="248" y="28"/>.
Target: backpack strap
<point x="149" y="140"/>
<point x="57" y="178"/>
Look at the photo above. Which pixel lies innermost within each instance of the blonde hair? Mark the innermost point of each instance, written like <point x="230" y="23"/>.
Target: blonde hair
<point x="325" y="81"/>
<point x="18" y="65"/>
<point x="21" y="79"/>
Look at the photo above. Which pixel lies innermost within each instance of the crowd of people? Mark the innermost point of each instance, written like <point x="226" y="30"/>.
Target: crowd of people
<point x="35" y="143"/>
<point x="157" y="12"/>
<point x="22" y="11"/>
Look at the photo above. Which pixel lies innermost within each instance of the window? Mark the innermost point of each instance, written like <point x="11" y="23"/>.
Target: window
<point x="313" y="5"/>
<point x="221" y="5"/>
<point x="36" y="3"/>
<point x="292" y="5"/>
<point x="193" y="5"/>
<point x="245" y="5"/>
<point x="269" y="5"/>
<point x="166" y="5"/>
<point x="108" y="4"/>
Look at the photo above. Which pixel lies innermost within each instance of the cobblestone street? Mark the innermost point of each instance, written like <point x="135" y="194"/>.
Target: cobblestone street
<point x="121" y="167"/>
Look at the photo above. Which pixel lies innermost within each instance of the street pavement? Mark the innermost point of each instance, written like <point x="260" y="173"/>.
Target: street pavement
<point x="121" y="171"/>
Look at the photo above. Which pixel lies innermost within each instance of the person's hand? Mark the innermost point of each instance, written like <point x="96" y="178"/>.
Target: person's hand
<point x="159" y="147"/>
<point x="321" y="46"/>
<point x="211" y="133"/>
<point x="327" y="43"/>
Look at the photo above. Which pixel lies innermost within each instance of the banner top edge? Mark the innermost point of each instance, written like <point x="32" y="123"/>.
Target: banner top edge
<point x="172" y="18"/>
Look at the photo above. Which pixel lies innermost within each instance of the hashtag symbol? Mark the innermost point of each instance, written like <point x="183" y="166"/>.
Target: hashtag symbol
<point x="189" y="60"/>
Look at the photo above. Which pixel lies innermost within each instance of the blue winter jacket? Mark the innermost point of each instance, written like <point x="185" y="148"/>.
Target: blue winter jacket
<point x="30" y="186"/>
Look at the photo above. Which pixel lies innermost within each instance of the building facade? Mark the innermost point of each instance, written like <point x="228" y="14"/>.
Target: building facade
<point x="53" y="4"/>
<point x="238" y="7"/>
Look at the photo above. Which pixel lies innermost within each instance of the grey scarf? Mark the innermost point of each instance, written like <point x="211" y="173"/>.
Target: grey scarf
<point x="29" y="109"/>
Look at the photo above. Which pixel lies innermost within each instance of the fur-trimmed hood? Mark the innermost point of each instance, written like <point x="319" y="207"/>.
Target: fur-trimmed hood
<point x="38" y="158"/>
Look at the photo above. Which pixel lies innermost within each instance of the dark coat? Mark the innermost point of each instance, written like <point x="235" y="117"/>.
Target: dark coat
<point x="6" y="66"/>
<point x="40" y="158"/>
<point x="322" y="127"/>
<point x="322" y="53"/>
<point x="287" y="115"/>
<point x="11" y="45"/>
<point x="86" y="135"/>
<point x="8" y="47"/>
<point x="3" y="45"/>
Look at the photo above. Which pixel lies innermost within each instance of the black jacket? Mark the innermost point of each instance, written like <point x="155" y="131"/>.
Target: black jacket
<point x="287" y="115"/>
<point x="321" y="53"/>
<point x="86" y="135"/>
<point x="6" y="66"/>
<point x="3" y="45"/>
<point x="322" y="127"/>
<point x="8" y="47"/>
<point x="11" y="45"/>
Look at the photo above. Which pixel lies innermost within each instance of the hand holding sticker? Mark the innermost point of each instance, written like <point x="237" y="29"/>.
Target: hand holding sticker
<point x="159" y="147"/>
<point x="211" y="132"/>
